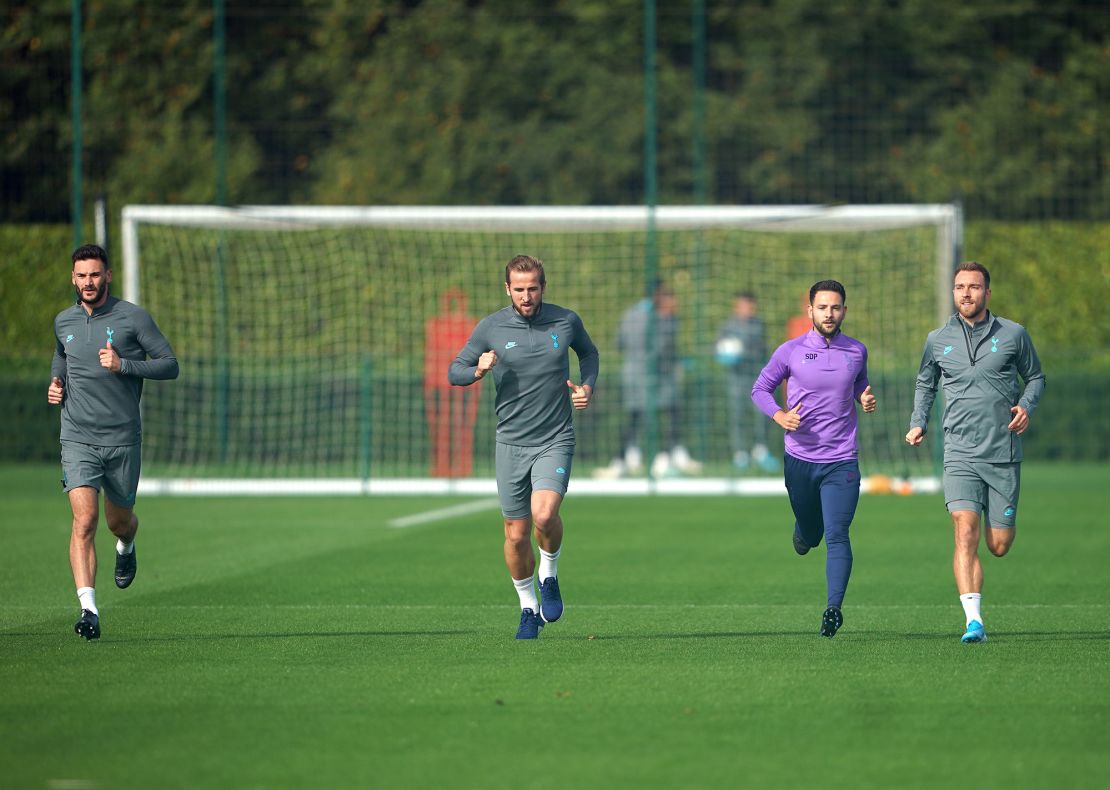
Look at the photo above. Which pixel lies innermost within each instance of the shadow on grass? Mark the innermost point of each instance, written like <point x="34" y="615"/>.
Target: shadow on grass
<point x="289" y="635"/>
<point x="1062" y="636"/>
<point x="863" y="636"/>
<point x="221" y="637"/>
<point x="696" y="635"/>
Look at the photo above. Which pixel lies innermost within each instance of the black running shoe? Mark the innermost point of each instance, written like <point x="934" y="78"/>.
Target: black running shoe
<point x="125" y="568"/>
<point x="88" y="626"/>
<point x="800" y="545"/>
<point x="831" y="621"/>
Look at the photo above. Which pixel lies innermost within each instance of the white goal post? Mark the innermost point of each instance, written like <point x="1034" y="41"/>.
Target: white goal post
<point x="304" y="331"/>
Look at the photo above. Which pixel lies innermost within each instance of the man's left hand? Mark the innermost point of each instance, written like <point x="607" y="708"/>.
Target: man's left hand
<point x="1020" y="421"/>
<point x="109" y="358"/>
<point x="868" y="401"/>
<point x="579" y="394"/>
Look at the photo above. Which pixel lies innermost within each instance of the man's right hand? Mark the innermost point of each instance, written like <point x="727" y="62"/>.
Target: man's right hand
<point x="485" y="362"/>
<point x="915" y="437"/>
<point x="789" y="420"/>
<point x="55" y="391"/>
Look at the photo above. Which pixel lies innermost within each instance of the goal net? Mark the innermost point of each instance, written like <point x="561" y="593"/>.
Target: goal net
<point x="314" y="341"/>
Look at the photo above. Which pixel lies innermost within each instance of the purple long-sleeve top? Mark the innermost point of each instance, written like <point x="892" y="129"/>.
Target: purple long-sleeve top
<point x="827" y="378"/>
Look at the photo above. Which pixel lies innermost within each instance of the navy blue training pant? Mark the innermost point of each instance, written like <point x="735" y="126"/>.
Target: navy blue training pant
<point x="824" y="499"/>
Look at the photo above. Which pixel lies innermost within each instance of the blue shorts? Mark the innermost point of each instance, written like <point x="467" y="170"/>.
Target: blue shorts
<point x="822" y="496"/>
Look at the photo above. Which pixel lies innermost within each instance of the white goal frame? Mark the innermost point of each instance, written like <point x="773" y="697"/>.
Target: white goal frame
<point x="947" y="219"/>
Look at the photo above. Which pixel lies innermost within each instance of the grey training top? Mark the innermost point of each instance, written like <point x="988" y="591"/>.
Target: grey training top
<point x="749" y="331"/>
<point x="632" y="341"/>
<point x="978" y="368"/>
<point x="533" y="400"/>
<point x="101" y="407"/>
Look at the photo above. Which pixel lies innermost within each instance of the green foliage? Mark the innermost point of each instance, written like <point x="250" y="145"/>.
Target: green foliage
<point x="468" y="105"/>
<point x="34" y="287"/>
<point x="1049" y="126"/>
<point x="487" y="102"/>
<point x="1054" y="278"/>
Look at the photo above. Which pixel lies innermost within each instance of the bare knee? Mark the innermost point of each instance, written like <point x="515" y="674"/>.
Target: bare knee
<point x="84" y="527"/>
<point x="516" y="532"/>
<point x="966" y="529"/>
<point x="545" y="519"/>
<point x="999" y="541"/>
<point x="123" y="524"/>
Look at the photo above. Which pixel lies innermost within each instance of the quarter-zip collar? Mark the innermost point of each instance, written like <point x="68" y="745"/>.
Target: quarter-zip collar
<point x="815" y="339"/>
<point x="526" y="321"/>
<point x="975" y="335"/>
<point x="103" y="309"/>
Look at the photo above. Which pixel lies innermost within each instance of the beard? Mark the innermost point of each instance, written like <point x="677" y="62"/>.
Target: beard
<point x="535" y="306"/>
<point x="96" y="297"/>
<point x="825" y="331"/>
<point x="969" y="309"/>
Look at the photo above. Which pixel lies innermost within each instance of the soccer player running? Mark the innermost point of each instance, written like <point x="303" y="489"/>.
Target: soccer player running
<point x="100" y="361"/>
<point x="827" y="372"/>
<point x="978" y="357"/>
<point x="526" y="347"/>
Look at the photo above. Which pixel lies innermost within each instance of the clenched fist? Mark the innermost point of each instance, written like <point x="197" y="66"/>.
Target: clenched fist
<point x="485" y="363"/>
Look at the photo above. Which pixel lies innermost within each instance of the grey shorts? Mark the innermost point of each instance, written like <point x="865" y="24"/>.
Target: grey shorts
<point x="115" y="469"/>
<point x="522" y="470"/>
<point x="990" y="489"/>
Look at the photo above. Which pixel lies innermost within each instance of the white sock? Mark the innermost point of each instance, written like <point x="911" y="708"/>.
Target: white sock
<point x="124" y="548"/>
<point x="526" y="589"/>
<point x="970" y="603"/>
<point x="549" y="564"/>
<point x="87" y="597"/>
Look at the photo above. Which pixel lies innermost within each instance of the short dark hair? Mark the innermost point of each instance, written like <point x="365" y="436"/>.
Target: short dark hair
<point x="827" y="285"/>
<point x="91" y="252"/>
<point x="744" y="295"/>
<point x="975" y="266"/>
<point x="660" y="287"/>
<point x="525" y="263"/>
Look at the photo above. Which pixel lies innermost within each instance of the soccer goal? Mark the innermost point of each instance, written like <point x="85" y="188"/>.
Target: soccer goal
<point x="314" y="341"/>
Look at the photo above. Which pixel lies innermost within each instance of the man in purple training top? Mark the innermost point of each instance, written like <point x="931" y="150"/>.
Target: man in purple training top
<point x="827" y="370"/>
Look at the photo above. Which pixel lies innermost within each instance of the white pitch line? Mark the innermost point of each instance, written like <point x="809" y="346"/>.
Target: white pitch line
<point x="465" y="509"/>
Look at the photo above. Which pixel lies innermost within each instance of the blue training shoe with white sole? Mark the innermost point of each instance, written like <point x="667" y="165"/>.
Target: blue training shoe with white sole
<point x="975" y="633"/>
<point x="530" y="625"/>
<point x="551" y="600"/>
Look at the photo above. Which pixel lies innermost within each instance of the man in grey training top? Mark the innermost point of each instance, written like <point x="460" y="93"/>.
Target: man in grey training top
<point x="977" y="358"/>
<point x="741" y="349"/>
<point x="526" y="346"/>
<point x="100" y="361"/>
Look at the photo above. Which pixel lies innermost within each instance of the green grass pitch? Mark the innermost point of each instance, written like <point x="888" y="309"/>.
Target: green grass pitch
<point x="296" y="642"/>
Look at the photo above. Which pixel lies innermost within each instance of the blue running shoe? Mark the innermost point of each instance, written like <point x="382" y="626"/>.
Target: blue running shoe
<point x="800" y="545"/>
<point x="88" y="626"/>
<point x="125" y="568"/>
<point x="831" y="621"/>
<point x="530" y="625"/>
<point x="974" y="633"/>
<point x="551" y="601"/>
